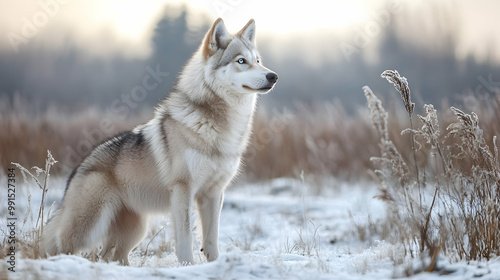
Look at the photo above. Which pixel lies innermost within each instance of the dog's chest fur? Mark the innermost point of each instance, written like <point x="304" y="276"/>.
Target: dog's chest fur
<point x="219" y="134"/>
<point x="209" y="139"/>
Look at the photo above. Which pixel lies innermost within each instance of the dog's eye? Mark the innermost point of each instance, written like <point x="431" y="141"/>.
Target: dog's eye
<point x="241" y="61"/>
<point x="258" y="60"/>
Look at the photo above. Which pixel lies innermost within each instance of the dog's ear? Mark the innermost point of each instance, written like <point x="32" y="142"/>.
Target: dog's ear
<point x="248" y="31"/>
<point x="216" y="38"/>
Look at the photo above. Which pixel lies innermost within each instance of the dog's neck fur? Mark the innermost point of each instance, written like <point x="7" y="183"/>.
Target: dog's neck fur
<point x="222" y="121"/>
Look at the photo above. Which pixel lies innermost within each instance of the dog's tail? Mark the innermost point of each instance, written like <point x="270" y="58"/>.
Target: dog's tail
<point x="50" y="237"/>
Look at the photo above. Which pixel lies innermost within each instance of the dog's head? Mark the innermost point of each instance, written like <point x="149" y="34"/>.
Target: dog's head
<point x="233" y="61"/>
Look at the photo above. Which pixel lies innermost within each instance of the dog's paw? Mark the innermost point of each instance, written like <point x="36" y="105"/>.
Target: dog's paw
<point x="185" y="259"/>
<point x="211" y="255"/>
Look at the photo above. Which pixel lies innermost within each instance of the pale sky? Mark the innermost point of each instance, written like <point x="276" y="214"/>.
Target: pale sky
<point x="125" y="26"/>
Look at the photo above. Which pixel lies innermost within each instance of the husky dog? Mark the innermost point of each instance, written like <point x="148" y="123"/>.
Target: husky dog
<point x="187" y="153"/>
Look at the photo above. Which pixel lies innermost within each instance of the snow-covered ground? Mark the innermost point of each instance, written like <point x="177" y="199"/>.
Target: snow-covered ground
<point x="281" y="229"/>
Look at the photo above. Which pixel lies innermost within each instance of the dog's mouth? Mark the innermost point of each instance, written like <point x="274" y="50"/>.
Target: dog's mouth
<point x="262" y="89"/>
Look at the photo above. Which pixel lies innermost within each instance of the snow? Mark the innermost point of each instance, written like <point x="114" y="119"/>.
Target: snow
<point x="280" y="229"/>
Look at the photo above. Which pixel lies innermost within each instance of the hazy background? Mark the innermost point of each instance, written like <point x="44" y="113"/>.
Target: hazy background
<point x="74" y="54"/>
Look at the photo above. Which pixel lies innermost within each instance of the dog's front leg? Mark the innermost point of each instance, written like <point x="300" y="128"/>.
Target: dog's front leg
<point x="209" y="206"/>
<point x="181" y="214"/>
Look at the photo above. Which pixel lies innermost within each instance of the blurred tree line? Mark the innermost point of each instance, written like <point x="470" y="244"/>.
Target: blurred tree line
<point x="74" y="78"/>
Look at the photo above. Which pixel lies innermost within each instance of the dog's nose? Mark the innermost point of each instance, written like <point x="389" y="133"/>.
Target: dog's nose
<point x="272" y="77"/>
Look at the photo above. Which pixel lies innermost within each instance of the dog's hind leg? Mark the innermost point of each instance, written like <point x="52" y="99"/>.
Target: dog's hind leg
<point x="127" y="230"/>
<point x="88" y="209"/>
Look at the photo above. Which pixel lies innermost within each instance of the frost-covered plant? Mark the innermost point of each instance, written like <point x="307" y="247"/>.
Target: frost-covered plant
<point x="394" y="178"/>
<point x="431" y="133"/>
<point x="473" y="143"/>
<point x="477" y="196"/>
<point x="29" y="244"/>
<point x="463" y="203"/>
<point x="43" y="185"/>
<point x="390" y="164"/>
<point x="401" y="85"/>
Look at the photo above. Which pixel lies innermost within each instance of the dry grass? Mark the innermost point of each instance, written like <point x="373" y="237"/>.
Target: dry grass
<point x="461" y="195"/>
<point x="320" y="139"/>
<point x="69" y="134"/>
